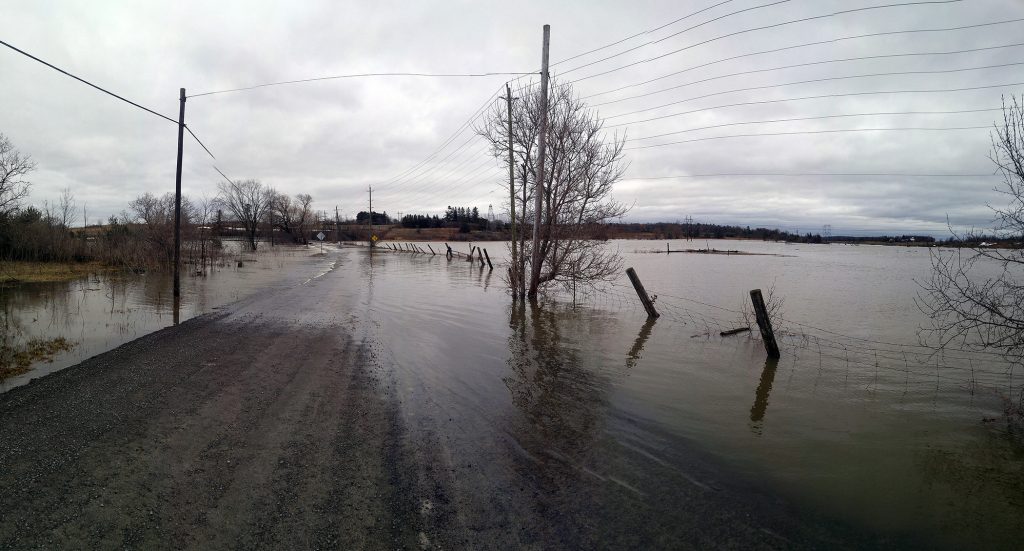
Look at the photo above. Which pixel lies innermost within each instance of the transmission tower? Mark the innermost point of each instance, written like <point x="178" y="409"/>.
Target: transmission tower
<point x="490" y="217"/>
<point x="689" y="227"/>
<point x="826" y="233"/>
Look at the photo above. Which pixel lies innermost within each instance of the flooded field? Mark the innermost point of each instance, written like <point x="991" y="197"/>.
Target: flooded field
<point x="856" y="425"/>
<point x="105" y="310"/>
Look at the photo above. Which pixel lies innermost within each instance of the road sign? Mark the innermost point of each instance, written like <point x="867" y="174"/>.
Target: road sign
<point x="320" y="236"/>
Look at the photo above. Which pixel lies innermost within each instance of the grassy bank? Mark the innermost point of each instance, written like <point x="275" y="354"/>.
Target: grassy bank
<point x="39" y="272"/>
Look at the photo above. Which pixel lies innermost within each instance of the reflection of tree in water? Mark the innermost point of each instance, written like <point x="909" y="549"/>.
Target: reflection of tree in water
<point x="977" y="490"/>
<point x="561" y="398"/>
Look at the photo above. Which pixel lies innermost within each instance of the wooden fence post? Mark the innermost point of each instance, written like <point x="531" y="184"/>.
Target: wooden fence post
<point x="432" y="253"/>
<point x="644" y="299"/>
<point x="765" y="324"/>
<point x="488" y="257"/>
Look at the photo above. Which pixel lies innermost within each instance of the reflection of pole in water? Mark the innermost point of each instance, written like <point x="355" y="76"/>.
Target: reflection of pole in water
<point x="763" y="390"/>
<point x="638" y="345"/>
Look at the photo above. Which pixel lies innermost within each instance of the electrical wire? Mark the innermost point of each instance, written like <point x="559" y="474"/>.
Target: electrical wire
<point x="86" y="82"/>
<point x="827" y="79"/>
<point x="803" y="98"/>
<point x="802" y="132"/>
<point x="719" y="18"/>
<point x="813" y="175"/>
<point x="641" y="33"/>
<point x="819" y="117"/>
<point x="108" y="92"/>
<point x="829" y="61"/>
<point x="752" y="29"/>
<point x="358" y="75"/>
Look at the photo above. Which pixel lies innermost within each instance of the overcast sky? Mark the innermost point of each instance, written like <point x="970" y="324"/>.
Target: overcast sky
<point x="334" y="138"/>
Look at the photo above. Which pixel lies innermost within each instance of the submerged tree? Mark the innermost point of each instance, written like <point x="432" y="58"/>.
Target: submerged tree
<point x="582" y="162"/>
<point x="975" y="296"/>
<point x="248" y="201"/>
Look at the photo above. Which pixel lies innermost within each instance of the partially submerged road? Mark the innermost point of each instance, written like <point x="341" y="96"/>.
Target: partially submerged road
<point x="278" y="423"/>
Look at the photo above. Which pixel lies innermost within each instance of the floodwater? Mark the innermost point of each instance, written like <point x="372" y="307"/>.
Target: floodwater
<point x="857" y="424"/>
<point x="105" y="310"/>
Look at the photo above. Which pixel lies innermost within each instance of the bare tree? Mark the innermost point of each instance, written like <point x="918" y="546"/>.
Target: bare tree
<point x="975" y="295"/>
<point x="13" y="168"/>
<point x="155" y="215"/>
<point x="292" y="217"/>
<point x="582" y="163"/>
<point x="249" y="202"/>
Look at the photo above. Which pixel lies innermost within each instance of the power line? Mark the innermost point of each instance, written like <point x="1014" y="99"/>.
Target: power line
<point x="752" y="8"/>
<point x="796" y="46"/>
<point x="752" y="29"/>
<point x="458" y="131"/>
<point x="810" y="81"/>
<point x="86" y="82"/>
<point x="811" y="174"/>
<point x="821" y="96"/>
<point x="108" y="92"/>
<point x="795" y="133"/>
<point x="794" y="119"/>
<point x="823" y="62"/>
<point x="649" y="31"/>
<point x="360" y="75"/>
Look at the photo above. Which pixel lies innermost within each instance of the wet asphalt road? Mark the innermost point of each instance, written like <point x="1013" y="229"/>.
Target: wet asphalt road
<point x="280" y="422"/>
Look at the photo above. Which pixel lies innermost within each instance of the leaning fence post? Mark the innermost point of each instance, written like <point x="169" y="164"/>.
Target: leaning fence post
<point x="639" y="287"/>
<point x="431" y="250"/>
<point x="488" y="257"/>
<point x="764" y="323"/>
<point x="471" y="250"/>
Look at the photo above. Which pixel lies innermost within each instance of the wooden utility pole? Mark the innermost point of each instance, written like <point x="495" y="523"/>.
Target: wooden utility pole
<point x="337" y="225"/>
<point x="512" y="196"/>
<point x="542" y="146"/>
<point x="765" y="324"/>
<point x="369" y="234"/>
<point x="177" y="199"/>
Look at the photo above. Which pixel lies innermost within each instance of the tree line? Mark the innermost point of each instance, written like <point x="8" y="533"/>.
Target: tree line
<point x="142" y="235"/>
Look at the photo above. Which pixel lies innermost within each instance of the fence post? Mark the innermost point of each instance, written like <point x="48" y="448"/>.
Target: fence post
<point x="432" y="253"/>
<point x="765" y="324"/>
<point x="639" y="287"/>
<point x="488" y="257"/>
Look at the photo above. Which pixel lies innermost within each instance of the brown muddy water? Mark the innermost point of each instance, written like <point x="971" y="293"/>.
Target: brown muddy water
<point x="857" y="423"/>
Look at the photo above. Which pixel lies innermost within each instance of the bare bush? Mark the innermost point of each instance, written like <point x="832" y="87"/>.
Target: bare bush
<point x="975" y="295"/>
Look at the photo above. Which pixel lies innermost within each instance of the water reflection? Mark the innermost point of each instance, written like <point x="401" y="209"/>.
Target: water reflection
<point x="764" y="388"/>
<point x="104" y="310"/>
<point x="638" y="346"/>
<point x="560" y="398"/>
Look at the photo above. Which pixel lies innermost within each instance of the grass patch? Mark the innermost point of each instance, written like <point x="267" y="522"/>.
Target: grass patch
<point x="41" y="272"/>
<point x="15" y="360"/>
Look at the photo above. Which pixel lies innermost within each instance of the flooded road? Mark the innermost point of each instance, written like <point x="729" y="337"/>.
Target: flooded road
<point x="576" y="426"/>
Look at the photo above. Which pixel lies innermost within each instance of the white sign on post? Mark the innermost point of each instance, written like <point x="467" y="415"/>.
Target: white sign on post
<point x="321" y="236"/>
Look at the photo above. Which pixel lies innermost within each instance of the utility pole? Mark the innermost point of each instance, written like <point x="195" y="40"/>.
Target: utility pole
<point x="516" y="275"/>
<point x="177" y="200"/>
<point x="337" y="225"/>
<point x="369" y="235"/>
<point x="542" y="145"/>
